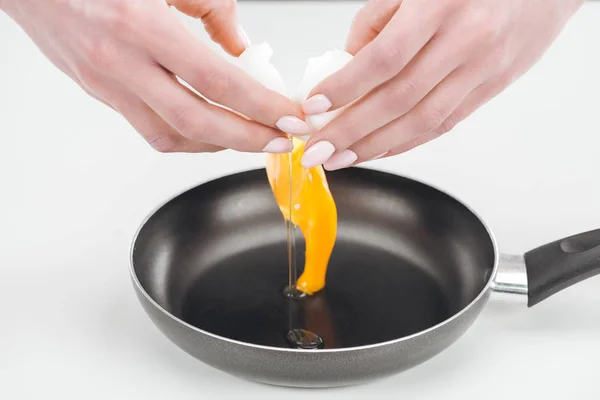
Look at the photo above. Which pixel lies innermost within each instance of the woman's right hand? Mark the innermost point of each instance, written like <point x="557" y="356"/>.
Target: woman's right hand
<point x="128" y="53"/>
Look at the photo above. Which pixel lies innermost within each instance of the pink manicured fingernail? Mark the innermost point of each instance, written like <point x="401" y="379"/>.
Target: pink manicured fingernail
<point x="317" y="154"/>
<point x="379" y="156"/>
<point x="243" y="36"/>
<point x="340" y="160"/>
<point x="293" y="125"/>
<point x="278" y="145"/>
<point x="317" y="104"/>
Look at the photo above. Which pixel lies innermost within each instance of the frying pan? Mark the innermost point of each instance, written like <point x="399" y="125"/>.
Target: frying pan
<point x="411" y="270"/>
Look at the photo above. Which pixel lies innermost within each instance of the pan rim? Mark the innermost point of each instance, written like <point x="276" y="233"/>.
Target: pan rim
<point x="435" y="327"/>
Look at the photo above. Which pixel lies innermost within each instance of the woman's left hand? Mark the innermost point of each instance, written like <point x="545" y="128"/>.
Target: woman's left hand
<point x="422" y="66"/>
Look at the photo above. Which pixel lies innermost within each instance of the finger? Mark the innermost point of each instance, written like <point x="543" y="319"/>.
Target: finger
<point x="400" y="94"/>
<point x="220" y="20"/>
<point x="470" y="104"/>
<point x="195" y="119"/>
<point x="483" y="94"/>
<point x="380" y="60"/>
<point x="473" y="101"/>
<point x="421" y="120"/>
<point x="411" y="144"/>
<point x="421" y="140"/>
<point x="175" y="48"/>
<point x="155" y="131"/>
<point x="369" y="22"/>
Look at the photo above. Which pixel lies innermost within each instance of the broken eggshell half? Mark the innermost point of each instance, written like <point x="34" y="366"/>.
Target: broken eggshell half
<point x="255" y="61"/>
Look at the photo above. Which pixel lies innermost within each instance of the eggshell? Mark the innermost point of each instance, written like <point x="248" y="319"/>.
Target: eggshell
<point x="255" y="61"/>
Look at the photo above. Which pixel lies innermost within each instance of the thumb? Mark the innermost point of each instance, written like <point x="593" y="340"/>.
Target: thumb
<point x="369" y="22"/>
<point x="220" y="21"/>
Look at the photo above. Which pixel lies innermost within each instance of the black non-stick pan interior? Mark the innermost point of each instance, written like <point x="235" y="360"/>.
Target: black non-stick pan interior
<point x="407" y="257"/>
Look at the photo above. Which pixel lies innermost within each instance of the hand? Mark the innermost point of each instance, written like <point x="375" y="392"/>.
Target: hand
<point x="422" y="66"/>
<point x="129" y="53"/>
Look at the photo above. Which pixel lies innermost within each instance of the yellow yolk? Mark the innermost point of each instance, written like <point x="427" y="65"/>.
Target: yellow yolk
<point x="313" y="211"/>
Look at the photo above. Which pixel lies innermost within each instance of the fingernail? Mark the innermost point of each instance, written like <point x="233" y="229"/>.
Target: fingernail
<point x="243" y="37"/>
<point x="379" y="156"/>
<point x="340" y="160"/>
<point x="278" y="145"/>
<point x="317" y="104"/>
<point x="317" y="154"/>
<point x="293" y="125"/>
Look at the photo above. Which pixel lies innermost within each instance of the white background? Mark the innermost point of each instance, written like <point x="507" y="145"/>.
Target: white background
<point x="76" y="181"/>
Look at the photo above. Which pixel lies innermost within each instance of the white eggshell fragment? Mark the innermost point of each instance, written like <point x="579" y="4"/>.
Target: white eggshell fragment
<point x="255" y="61"/>
<point x="319" y="68"/>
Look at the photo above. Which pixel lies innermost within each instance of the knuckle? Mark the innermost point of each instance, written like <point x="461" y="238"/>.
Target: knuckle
<point x="423" y="139"/>
<point x="498" y="60"/>
<point x="127" y="10"/>
<point x="371" y="145"/>
<point x="362" y="15"/>
<point x="350" y="135"/>
<point x="192" y="128"/>
<point x="88" y="90"/>
<point x="125" y="17"/>
<point x="101" y="54"/>
<point x="488" y="32"/>
<point x="90" y="80"/>
<point x="165" y="143"/>
<point x="211" y="149"/>
<point x="416" y="142"/>
<point x="384" y="57"/>
<point x="260" y="104"/>
<point x="402" y="92"/>
<point x="446" y="6"/>
<point x="506" y="79"/>
<point x="252" y="139"/>
<point x="342" y="131"/>
<point x="121" y="26"/>
<point x="226" y="6"/>
<point x="181" y="121"/>
<point x="431" y="118"/>
<point x="485" y="23"/>
<point x="216" y="85"/>
<point x="448" y="124"/>
<point x="97" y="97"/>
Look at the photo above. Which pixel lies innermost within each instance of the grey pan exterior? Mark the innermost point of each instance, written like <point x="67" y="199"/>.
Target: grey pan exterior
<point x="305" y="368"/>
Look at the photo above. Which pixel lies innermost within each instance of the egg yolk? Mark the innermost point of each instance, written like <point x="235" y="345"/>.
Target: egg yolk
<point x="313" y="210"/>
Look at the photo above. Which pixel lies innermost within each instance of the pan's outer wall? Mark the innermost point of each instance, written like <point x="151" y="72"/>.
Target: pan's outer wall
<point x="313" y="368"/>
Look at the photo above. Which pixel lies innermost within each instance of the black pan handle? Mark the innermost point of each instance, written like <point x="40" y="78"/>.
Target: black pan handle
<point x="558" y="265"/>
